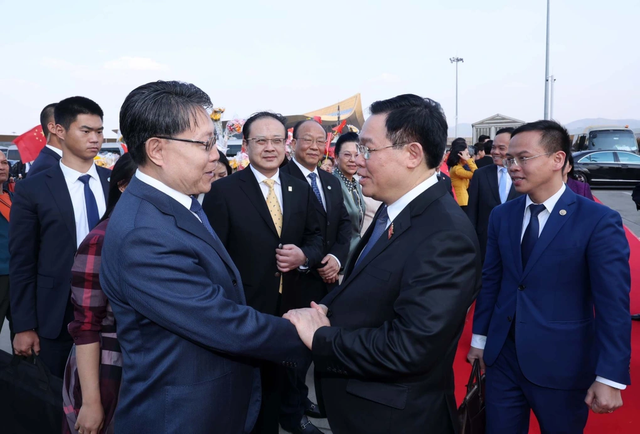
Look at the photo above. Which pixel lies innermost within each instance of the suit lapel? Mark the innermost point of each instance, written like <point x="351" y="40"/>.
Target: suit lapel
<point x="60" y="192"/>
<point x="493" y="183"/>
<point x="105" y="178"/>
<point x="289" y="196"/>
<point x="555" y="222"/>
<point x="326" y="189"/>
<point x="515" y="234"/>
<point x="249" y="185"/>
<point x="512" y="193"/>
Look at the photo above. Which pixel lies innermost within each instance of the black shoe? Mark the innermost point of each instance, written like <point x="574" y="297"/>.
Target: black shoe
<point x="304" y="427"/>
<point x="636" y="317"/>
<point x="314" y="411"/>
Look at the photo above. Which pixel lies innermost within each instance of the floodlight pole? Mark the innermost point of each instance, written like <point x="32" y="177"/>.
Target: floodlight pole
<point x="546" y="71"/>
<point x="456" y="60"/>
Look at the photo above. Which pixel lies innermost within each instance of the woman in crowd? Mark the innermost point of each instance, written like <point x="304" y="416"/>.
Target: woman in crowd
<point x="346" y="152"/>
<point x="327" y="164"/>
<point x="461" y="168"/>
<point x="94" y="368"/>
<point x="223" y="168"/>
<point x="578" y="187"/>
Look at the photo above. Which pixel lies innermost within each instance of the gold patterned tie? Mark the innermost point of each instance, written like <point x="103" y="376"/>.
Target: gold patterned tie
<point x="276" y="212"/>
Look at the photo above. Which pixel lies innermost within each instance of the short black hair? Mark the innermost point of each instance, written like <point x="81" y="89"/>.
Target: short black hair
<point x="459" y="140"/>
<point x="46" y="115"/>
<point x="456" y="147"/>
<point x="121" y="175"/>
<point x="509" y="130"/>
<point x="487" y="146"/>
<point x="297" y="126"/>
<point x="160" y="108"/>
<point x="66" y="111"/>
<point x="345" y="138"/>
<point x="411" y="118"/>
<point x="483" y="137"/>
<point x="246" y="128"/>
<point x="224" y="160"/>
<point x="554" y="137"/>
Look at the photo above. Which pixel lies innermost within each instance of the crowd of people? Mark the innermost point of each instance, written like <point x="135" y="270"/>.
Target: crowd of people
<point x="173" y="294"/>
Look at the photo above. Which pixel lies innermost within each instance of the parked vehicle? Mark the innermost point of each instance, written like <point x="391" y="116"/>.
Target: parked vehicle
<point x="605" y="138"/>
<point x="607" y="167"/>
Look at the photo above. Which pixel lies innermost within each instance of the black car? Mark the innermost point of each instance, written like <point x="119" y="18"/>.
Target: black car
<point x="607" y="167"/>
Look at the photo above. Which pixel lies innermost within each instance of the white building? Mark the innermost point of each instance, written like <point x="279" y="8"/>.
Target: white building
<point x="492" y="124"/>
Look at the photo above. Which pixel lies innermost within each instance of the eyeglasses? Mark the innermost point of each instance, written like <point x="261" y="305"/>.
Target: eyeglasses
<point x="349" y="156"/>
<point x="366" y="152"/>
<point x="308" y="141"/>
<point x="520" y="161"/>
<point x="208" y="145"/>
<point x="262" y="141"/>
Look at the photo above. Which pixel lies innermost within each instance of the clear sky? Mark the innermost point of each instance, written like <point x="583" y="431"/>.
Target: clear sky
<point x="294" y="57"/>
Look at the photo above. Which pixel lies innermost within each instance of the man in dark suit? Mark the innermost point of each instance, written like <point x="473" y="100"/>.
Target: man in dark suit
<point x="483" y="153"/>
<point x="309" y="139"/>
<point x="52" y="152"/>
<point x="552" y="320"/>
<point x="267" y="220"/>
<point x="188" y="339"/>
<point x="50" y="216"/>
<point x="385" y="362"/>
<point x="490" y="187"/>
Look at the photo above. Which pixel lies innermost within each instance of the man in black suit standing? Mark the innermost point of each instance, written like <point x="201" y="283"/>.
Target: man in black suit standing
<point x="490" y="187"/>
<point x="267" y="220"/>
<point x="52" y="152"/>
<point x="309" y="139"/>
<point x="385" y="362"/>
<point x="51" y="214"/>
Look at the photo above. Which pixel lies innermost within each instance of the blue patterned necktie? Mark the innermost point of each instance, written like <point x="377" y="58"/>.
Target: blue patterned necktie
<point x="502" y="188"/>
<point x="93" y="217"/>
<point x="531" y="234"/>
<point x="381" y="225"/>
<point x="197" y="209"/>
<point x="314" y="187"/>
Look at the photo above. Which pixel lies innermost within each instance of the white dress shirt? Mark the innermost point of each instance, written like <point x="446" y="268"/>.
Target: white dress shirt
<point x="480" y="341"/>
<point x="54" y="149"/>
<point x="306" y="173"/>
<point x="181" y="198"/>
<point x="277" y="187"/>
<point x="76" y="192"/>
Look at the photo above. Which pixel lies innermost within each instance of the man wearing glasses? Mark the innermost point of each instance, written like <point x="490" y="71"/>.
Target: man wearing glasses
<point x="385" y="361"/>
<point x="552" y="320"/>
<point x="267" y="220"/>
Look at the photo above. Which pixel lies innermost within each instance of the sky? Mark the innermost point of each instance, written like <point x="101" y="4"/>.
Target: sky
<point x="294" y="57"/>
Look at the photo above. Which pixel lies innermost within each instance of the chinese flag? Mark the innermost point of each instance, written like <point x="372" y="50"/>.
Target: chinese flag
<point x="340" y="127"/>
<point x="328" y="150"/>
<point x="318" y="119"/>
<point x="30" y="144"/>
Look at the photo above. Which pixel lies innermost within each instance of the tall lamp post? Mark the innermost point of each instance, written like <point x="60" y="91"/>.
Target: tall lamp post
<point x="456" y="60"/>
<point x="546" y="70"/>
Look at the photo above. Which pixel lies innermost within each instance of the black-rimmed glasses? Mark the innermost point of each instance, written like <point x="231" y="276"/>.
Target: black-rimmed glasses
<point x="207" y="145"/>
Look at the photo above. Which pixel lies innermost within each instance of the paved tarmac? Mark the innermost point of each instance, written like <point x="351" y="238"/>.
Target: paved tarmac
<point x="619" y="199"/>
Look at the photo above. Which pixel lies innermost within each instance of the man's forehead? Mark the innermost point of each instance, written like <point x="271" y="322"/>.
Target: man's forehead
<point x="93" y="121"/>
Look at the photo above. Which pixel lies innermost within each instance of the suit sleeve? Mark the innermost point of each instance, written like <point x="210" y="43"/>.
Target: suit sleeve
<point x="340" y="248"/>
<point x="491" y="279"/>
<point x="608" y="259"/>
<point x="24" y="243"/>
<point x="474" y="200"/>
<point x="163" y="280"/>
<point x="312" y="238"/>
<point x="436" y="287"/>
<point x="215" y="207"/>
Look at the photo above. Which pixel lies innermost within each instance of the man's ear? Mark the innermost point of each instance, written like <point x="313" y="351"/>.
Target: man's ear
<point x="559" y="159"/>
<point x="154" y="147"/>
<point x="415" y="155"/>
<point x="59" y="131"/>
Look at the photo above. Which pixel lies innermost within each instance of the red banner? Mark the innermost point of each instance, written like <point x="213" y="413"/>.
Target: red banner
<point x="30" y="144"/>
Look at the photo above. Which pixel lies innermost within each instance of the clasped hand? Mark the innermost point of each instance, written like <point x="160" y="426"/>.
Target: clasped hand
<point x="289" y="257"/>
<point x="602" y="398"/>
<point x="308" y="320"/>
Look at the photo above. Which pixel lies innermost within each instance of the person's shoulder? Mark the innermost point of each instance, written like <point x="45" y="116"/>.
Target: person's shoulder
<point x="486" y="170"/>
<point x="329" y="179"/>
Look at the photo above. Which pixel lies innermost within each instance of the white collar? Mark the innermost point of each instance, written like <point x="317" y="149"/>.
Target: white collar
<point x="260" y="177"/>
<point x="550" y="203"/>
<point x="181" y="198"/>
<point x="396" y="207"/>
<point x="54" y="149"/>
<point x="306" y="171"/>
<point x="72" y="175"/>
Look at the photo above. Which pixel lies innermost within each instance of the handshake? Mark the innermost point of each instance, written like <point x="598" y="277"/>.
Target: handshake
<point x="308" y="320"/>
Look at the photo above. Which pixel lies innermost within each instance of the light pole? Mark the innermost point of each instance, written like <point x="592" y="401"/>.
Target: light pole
<point x="456" y="60"/>
<point x="546" y="70"/>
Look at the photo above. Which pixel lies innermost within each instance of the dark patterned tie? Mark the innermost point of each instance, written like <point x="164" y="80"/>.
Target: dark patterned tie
<point x="197" y="209"/>
<point x="381" y="225"/>
<point x="314" y="187"/>
<point x="531" y="234"/>
<point x="93" y="217"/>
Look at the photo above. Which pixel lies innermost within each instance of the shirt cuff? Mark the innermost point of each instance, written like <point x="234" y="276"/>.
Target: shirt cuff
<point x="337" y="260"/>
<point x="611" y="383"/>
<point x="478" y="341"/>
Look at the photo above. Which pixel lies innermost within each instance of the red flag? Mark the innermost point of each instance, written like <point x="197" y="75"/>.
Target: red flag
<point x="30" y="144"/>
<point x="318" y="119"/>
<point x="327" y="146"/>
<point x="340" y="127"/>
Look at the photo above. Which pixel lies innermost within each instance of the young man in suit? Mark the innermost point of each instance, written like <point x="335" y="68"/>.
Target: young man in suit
<point x="52" y="152"/>
<point x="50" y="216"/>
<point x="552" y="320"/>
<point x="490" y="187"/>
<point x="189" y="341"/>
<point x="309" y="139"/>
<point x="385" y="363"/>
<point x="267" y="220"/>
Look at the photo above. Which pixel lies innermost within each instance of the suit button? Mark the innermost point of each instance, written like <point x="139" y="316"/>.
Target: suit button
<point x="509" y="318"/>
<point x="277" y="274"/>
<point x="235" y="282"/>
<point x="521" y="287"/>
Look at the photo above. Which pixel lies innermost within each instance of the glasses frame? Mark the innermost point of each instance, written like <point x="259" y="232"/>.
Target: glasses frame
<point x="208" y="146"/>
<point x="508" y="162"/>
<point x="268" y="141"/>
<point x="366" y="152"/>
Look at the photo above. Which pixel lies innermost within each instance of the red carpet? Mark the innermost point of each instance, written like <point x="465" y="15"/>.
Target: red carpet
<point x="625" y="420"/>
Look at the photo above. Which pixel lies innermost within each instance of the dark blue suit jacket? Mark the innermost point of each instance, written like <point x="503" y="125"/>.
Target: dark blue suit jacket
<point x="42" y="244"/>
<point x="46" y="158"/>
<point x="580" y="264"/>
<point x="188" y="340"/>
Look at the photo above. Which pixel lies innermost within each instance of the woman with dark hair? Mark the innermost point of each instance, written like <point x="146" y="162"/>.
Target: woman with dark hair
<point x="94" y="368"/>
<point x="223" y="169"/>
<point x="578" y="187"/>
<point x="461" y="168"/>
